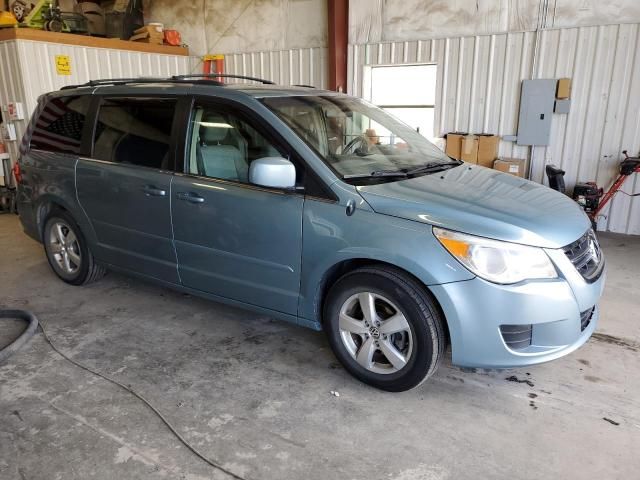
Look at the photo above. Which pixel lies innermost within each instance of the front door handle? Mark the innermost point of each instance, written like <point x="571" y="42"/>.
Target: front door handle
<point x="152" y="191"/>
<point x="190" y="197"/>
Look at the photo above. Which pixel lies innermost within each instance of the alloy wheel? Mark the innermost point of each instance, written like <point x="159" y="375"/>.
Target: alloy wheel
<point x="64" y="247"/>
<point x="375" y="332"/>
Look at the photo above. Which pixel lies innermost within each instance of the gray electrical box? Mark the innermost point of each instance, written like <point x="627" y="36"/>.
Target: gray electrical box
<point x="562" y="106"/>
<point x="537" y="100"/>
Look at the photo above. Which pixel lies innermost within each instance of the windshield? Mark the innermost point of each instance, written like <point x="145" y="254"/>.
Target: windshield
<point x="356" y="139"/>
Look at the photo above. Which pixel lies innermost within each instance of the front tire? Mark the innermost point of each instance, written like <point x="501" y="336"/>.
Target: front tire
<point x="67" y="250"/>
<point x="384" y="328"/>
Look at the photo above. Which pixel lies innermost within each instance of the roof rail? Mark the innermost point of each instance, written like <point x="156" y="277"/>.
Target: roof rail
<point x="199" y="78"/>
<point x="126" y="81"/>
<point x="222" y="75"/>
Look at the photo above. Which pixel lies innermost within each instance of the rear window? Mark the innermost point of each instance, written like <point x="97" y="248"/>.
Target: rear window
<point x="58" y="127"/>
<point x="134" y="131"/>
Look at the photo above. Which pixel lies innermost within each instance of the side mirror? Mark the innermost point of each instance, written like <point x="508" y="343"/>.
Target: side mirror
<point x="273" y="172"/>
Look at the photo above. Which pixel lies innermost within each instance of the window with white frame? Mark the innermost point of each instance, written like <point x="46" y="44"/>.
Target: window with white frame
<point x="406" y="91"/>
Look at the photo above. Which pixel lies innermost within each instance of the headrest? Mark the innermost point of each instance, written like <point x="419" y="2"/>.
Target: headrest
<point x="213" y="128"/>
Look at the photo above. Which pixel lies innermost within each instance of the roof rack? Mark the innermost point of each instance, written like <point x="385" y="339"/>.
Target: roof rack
<point x="126" y="81"/>
<point x="222" y="75"/>
<point x="303" y="85"/>
<point x="196" y="78"/>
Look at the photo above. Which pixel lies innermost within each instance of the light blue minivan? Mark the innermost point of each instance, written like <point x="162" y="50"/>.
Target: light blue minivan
<point x="313" y="207"/>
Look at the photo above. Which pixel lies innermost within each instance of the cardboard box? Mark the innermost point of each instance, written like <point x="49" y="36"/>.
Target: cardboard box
<point x="514" y="166"/>
<point x="453" y="147"/>
<point x="67" y="5"/>
<point x="563" y="89"/>
<point x="95" y="17"/>
<point x="469" y="150"/>
<point x="151" y="29"/>
<point x="487" y="149"/>
<point x="146" y="38"/>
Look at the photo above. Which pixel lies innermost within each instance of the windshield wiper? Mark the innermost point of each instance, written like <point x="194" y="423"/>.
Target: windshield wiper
<point x="403" y="173"/>
<point x="433" y="167"/>
<point x="376" y="173"/>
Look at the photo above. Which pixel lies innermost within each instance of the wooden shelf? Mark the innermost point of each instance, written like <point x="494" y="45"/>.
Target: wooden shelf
<point x="87" y="41"/>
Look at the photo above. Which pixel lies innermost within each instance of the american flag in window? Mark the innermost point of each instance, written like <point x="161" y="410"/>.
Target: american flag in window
<point x="59" y="125"/>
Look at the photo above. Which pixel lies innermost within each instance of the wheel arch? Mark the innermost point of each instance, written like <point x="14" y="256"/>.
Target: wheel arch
<point x="340" y="268"/>
<point x="44" y="207"/>
<point x="47" y="204"/>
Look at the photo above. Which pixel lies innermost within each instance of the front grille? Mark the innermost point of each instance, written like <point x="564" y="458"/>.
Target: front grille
<point x="586" y="256"/>
<point x="516" y="337"/>
<point x="585" y="318"/>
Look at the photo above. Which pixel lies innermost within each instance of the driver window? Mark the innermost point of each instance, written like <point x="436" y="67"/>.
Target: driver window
<point x="223" y="145"/>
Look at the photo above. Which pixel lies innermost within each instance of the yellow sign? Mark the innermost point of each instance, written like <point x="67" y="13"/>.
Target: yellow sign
<point x="63" y="65"/>
<point x="208" y="58"/>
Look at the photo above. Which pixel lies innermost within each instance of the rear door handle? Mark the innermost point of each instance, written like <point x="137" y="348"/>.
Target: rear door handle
<point x="190" y="197"/>
<point x="152" y="191"/>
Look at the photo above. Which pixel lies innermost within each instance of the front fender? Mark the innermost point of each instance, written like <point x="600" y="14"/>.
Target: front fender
<point x="331" y="237"/>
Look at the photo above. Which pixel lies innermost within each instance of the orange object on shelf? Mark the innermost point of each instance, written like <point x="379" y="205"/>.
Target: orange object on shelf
<point x="172" y="37"/>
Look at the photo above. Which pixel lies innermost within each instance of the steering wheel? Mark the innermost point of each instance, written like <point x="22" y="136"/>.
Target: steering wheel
<point x="358" y="145"/>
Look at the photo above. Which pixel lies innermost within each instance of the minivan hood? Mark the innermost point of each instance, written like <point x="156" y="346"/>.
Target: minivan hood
<point x="483" y="202"/>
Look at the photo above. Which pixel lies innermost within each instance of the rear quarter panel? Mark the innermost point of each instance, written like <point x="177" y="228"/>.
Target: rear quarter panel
<point x="48" y="180"/>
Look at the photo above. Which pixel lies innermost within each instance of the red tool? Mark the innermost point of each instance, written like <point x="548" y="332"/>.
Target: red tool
<point x="588" y="195"/>
<point x="628" y="167"/>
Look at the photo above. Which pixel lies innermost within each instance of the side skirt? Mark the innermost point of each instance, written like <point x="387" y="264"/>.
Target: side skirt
<point x="216" y="298"/>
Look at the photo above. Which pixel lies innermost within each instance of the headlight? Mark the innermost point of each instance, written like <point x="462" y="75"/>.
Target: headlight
<point x="496" y="261"/>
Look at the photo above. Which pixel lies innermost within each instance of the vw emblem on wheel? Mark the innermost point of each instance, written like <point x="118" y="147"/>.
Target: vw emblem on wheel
<point x="375" y="333"/>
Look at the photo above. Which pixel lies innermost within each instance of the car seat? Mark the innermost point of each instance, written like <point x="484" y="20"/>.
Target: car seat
<point x="220" y="153"/>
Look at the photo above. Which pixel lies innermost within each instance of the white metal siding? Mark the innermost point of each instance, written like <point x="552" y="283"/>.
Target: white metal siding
<point x="298" y="66"/>
<point x="12" y="89"/>
<point x="478" y="90"/>
<point x="39" y="75"/>
<point x="27" y="70"/>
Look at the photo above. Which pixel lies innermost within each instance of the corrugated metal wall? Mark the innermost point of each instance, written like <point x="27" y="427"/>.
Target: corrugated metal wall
<point x="11" y="89"/>
<point x="27" y="70"/>
<point x="89" y="63"/>
<point x="478" y="90"/>
<point x="298" y="66"/>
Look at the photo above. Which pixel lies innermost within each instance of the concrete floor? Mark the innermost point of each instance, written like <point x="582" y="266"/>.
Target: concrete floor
<point x="254" y="393"/>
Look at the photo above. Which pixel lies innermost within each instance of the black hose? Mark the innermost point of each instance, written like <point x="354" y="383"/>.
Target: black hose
<point x="19" y="342"/>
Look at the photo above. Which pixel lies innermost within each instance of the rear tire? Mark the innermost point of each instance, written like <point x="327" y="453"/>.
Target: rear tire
<point x="67" y="250"/>
<point x="385" y="328"/>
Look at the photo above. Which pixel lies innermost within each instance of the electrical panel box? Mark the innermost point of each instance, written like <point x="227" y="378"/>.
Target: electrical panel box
<point x="537" y="100"/>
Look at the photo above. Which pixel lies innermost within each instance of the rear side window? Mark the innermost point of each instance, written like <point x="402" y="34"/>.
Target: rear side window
<point x="135" y="131"/>
<point x="58" y="127"/>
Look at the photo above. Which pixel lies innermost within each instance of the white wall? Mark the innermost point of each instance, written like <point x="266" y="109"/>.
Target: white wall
<point x="240" y="26"/>
<point x="373" y="21"/>
<point x="296" y="66"/>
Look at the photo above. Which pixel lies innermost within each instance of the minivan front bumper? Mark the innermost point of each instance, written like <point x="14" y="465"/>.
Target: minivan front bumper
<point x="546" y="318"/>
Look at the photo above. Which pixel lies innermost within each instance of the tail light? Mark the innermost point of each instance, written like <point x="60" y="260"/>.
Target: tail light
<point x="17" y="173"/>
